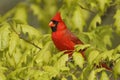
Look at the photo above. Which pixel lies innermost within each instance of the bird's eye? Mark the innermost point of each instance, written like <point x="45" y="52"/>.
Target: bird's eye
<point x="55" y="22"/>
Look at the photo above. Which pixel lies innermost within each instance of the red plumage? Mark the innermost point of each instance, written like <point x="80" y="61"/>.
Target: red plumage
<point x="57" y="17"/>
<point x="62" y="37"/>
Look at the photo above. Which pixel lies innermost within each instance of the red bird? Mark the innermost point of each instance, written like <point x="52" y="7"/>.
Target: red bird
<point x="62" y="37"/>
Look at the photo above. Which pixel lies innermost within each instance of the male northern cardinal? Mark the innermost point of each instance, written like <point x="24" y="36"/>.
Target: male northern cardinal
<point x="64" y="39"/>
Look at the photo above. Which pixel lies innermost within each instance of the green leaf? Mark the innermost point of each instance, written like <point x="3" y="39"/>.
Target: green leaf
<point x="103" y="4"/>
<point x="106" y="55"/>
<point x="92" y="75"/>
<point x="117" y="69"/>
<point x="107" y="40"/>
<point x="10" y="60"/>
<point x="63" y="78"/>
<point x="78" y="59"/>
<point x="106" y="32"/>
<point x="21" y="14"/>
<point x="30" y="31"/>
<point x="37" y="10"/>
<point x="86" y="72"/>
<point x="13" y="42"/>
<point x="96" y="20"/>
<point x="104" y="76"/>
<point x="81" y="47"/>
<point x="61" y="63"/>
<point x="2" y="76"/>
<point x="92" y="56"/>
<point x="73" y="77"/>
<point x="55" y="57"/>
<point x="99" y="70"/>
<point x="51" y="70"/>
<point x="78" y="19"/>
<point x="117" y="21"/>
<point x="69" y="2"/>
<point x="117" y="49"/>
<point x="44" y="55"/>
<point x="4" y="36"/>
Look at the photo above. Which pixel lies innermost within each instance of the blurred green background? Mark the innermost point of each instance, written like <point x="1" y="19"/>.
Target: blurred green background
<point x="37" y="12"/>
<point x="6" y="5"/>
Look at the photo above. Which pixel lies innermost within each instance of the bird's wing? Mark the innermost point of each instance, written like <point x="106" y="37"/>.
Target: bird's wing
<point x="73" y="38"/>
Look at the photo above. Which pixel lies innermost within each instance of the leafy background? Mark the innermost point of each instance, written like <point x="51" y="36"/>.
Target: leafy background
<point x="28" y="53"/>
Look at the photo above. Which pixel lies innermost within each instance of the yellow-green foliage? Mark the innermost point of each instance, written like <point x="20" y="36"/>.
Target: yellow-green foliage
<point x="28" y="53"/>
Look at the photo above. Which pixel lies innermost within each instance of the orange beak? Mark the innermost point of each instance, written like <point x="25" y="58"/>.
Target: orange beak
<point x="51" y="24"/>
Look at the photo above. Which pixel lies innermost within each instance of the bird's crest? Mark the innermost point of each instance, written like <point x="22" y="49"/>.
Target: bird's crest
<point x="57" y="17"/>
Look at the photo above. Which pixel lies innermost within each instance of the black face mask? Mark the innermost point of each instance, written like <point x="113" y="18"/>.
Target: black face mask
<point x="54" y="28"/>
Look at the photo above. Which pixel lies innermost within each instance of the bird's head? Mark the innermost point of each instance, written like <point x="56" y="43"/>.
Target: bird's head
<point x="57" y="23"/>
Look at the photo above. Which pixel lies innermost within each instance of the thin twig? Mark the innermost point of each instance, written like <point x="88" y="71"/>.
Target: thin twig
<point x="85" y="9"/>
<point x="22" y="37"/>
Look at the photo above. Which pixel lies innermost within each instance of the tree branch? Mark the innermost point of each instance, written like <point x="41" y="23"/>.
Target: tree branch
<point x="22" y="37"/>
